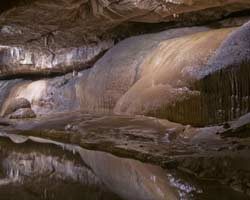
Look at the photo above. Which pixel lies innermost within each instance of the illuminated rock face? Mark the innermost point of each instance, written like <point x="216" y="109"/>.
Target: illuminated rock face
<point x="44" y="37"/>
<point x="195" y="76"/>
<point x="119" y="69"/>
<point x="217" y="91"/>
<point x="190" y="75"/>
<point x="45" y="95"/>
<point x="21" y="60"/>
<point x="14" y="105"/>
<point x="198" y="79"/>
<point x="165" y="88"/>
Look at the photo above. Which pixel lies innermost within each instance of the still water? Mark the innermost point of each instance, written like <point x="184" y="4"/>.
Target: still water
<point x="46" y="169"/>
<point x="59" y="168"/>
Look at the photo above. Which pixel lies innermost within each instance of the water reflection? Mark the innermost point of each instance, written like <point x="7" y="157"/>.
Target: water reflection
<point x="37" y="168"/>
<point x="130" y="179"/>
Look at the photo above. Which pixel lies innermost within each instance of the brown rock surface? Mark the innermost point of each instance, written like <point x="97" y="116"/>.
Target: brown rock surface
<point x="175" y="75"/>
<point x="22" y="113"/>
<point x="13" y="105"/>
<point x="43" y="36"/>
<point x="180" y="74"/>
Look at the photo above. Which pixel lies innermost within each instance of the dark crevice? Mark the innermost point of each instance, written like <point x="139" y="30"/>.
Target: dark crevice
<point x="9" y="4"/>
<point x="242" y="13"/>
<point x="43" y="74"/>
<point x="129" y="29"/>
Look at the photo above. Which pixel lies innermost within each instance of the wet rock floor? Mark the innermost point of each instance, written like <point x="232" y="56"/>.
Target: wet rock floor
<point x="197" y="163"/>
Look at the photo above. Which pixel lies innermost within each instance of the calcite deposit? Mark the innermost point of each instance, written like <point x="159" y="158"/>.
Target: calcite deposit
<point x="162" y="81"/>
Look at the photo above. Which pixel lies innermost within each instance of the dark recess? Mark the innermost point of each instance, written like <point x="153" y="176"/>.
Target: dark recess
<point x="8" y="4"/>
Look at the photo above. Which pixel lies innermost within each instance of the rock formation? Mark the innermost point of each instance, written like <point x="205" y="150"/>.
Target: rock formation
<point x="43" y="37"/>
<point x="174" y="73"/>
<point x="160" y="81"/>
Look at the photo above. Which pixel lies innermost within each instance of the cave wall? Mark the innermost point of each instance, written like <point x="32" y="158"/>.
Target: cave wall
<point x="186" y="61"/>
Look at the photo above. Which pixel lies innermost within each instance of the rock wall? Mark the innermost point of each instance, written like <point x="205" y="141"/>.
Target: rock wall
<point x="43" y="36"/>
<point x="71" y="58"/>
<point x="189" y="79"/>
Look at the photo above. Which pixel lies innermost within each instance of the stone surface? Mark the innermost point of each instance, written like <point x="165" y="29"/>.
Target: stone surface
<point x="22" y="113"/>
<point x="200" y="152"/>
<point x="174" y="74"/>
<point x="118" y="69"/>
<point x="13" y="105"/>
<point x="69" y="35"/>
<point x="47" y="95"/>
<point x="135" y="76"/>
<point x="167" y="77"/>
<point x="184" y="78"/>
<point x="23" y="61"/>
<point x="59" y="57"/>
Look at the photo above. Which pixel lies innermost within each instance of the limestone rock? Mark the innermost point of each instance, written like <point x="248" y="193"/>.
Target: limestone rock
<point x="199" y="78"/>
<point x="13" y="105"/>
<point x="166" y="74"/>
<point x="22" y="113"/>
<point x="43" y="37"/>
<point x="4" y="122"/>
<point x="185" y="75"/>
<point x="205" y="81"/>
<point x="49" y="95"/>
<point x="21" y="60"/>
<point x="119" y="69"/>
<point x="5" y="87"/>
